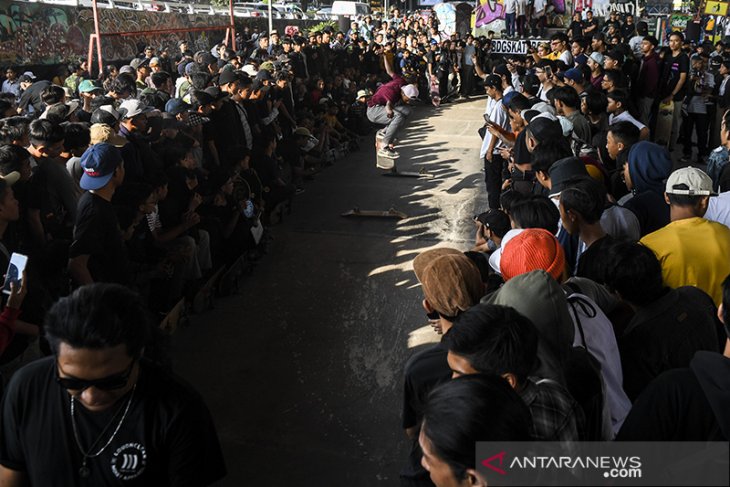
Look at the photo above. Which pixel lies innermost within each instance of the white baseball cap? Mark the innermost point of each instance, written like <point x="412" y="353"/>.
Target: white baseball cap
<point x="496" y="256"/>
<point x="410" y="91"/>
<point x="697" y="181"/>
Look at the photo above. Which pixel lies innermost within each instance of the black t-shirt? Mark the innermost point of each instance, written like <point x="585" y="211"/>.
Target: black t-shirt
<point x="267" y="169"/>
<point x="650" y="209"/>
<point x="576" y="29"/>
<point x="592" y="263"/>
<point x="628" y="31"/>
<point x="673" y="67"/>
<point x="32" y="97"/>
<point x="672" y="408"/>
<point x="97" y="235"/>
<point x="590" y="23"/>
<point x="423" y="372"/>
<point x="166" y="439"/>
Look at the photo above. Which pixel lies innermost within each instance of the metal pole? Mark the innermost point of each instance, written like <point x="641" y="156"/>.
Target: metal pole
<point x="271" y="17"/>
<point x="95" y="10"/>
<point x="232" y="45"/>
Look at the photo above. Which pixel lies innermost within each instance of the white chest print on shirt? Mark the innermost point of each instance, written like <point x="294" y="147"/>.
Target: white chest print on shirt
<point x="129" y="461"/>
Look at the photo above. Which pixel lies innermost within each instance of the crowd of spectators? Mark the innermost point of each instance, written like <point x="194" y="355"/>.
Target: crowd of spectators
<point x="593" y="303"/>
<point x="591" y="307"/>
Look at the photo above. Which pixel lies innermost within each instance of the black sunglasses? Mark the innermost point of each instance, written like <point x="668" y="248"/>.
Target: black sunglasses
<point x="109" y="383"/>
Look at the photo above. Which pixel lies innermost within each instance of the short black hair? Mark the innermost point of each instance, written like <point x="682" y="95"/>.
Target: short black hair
<point x="567" y="96"/>
<point x="11" y="157"/>
<point x="625" y="132"/>
<point x="550" y="151"/>
<point x="123" y="83"/>
<point x="559" y="36"/>
<point x="678" y="34"/>
<point x="633" y="271"/>
<point x="76" y="135"/>
<point x="98" y="316"/>
<point x="200" y="99"/>
<point x="159" y="78"/>
<point x="52" y="95"/>
<point x="495" y="340"/>
<point x="536" y="211"/>
<point x="132" y="195"/>
<point x="620" y="96"/>
<point x="518" y="103"/>
<point x="585" y="196"/>
<point x="616" y="77"/>
<point x="596" y="102"/>
<point x="472" y="408"/>
<point x="6" y="105"/>
<point x="684" y="200"/>
<point x="200" y="80"/>
<point x="13" y="129"/>
<point x="652" y="40"/>
<point x="45" y="133"/>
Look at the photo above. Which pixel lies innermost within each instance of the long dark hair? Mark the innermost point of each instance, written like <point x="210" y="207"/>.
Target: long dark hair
<point x="473" y="408"/>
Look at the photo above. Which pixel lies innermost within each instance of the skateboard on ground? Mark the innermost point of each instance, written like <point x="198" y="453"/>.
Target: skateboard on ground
<point x="175" y="318"/>
<point x="391" y="213"/>
<point x="388" y="163"/>
<point x="663" y="135"/>
<point x="204" y="298"/>
<point x="228" y="282"/>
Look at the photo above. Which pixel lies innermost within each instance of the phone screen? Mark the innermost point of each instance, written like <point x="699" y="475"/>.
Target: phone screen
<point x="15" y="271"/>
<point x="548" y="71"/>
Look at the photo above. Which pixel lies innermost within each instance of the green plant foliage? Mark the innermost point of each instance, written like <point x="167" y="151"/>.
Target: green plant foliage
<point x="323" y="25"/>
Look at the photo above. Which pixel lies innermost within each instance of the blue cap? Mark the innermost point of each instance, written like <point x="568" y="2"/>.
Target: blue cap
<point x="506" y="99"/>
<point x="176" y="106"/>
<point x="99" y="162"/>
<point x="581" y="59"/>
<point x="574" y="74"/>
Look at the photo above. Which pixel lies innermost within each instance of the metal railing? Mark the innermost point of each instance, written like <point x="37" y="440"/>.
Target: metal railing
<point x="189" y="8"/>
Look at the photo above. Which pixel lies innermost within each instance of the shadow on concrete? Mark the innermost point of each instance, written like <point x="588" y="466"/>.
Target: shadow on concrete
<point x="302" y="369"/>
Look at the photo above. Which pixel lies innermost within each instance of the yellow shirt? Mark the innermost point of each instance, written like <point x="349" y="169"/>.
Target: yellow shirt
<point x="693" y="252"/>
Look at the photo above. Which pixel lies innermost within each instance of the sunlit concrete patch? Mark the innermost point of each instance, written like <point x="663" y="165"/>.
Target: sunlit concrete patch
<point x="423" y="336"/>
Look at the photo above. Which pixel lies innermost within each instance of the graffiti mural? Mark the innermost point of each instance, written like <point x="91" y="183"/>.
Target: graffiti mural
<point x="33" y="34"/>
<point x="559" y="6"/>
<point x="489" y="12"/>
<point x="489" y="15"/>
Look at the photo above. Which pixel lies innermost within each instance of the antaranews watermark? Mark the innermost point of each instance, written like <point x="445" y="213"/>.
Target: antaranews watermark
<point x="592" y="463"/>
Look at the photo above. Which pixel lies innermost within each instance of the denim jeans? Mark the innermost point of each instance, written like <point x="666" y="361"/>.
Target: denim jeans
<point x="509" y="21"/>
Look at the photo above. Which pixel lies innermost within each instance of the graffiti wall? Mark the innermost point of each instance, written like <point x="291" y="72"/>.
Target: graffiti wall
<point x="489" y="15"/>
<point x="34" y="34"/>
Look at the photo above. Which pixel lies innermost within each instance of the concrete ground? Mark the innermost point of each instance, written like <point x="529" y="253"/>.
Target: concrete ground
<point x="302" y="369"/>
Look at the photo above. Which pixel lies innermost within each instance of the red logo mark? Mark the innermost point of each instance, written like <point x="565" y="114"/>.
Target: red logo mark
<point x="487" y="463"/>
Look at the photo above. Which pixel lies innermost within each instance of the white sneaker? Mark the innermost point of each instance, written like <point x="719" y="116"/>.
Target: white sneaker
<point x="387" y="152"/>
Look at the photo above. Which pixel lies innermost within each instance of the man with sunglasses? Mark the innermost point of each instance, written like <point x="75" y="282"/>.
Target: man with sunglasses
<point x="99" y="411"/>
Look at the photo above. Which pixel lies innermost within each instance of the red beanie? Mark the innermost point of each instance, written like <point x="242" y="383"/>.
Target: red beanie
<point x="534" y="249"/>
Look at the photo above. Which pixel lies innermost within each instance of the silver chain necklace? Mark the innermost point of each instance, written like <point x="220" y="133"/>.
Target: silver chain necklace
<point x="84" y="471"/>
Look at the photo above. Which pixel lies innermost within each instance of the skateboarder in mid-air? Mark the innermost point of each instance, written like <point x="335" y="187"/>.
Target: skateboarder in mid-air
<point x="389" y="104"/>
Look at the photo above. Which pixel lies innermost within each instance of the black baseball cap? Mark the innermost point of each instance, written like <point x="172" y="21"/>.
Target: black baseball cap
<point x="495" y="220"/>
<point x="545" y="127"/>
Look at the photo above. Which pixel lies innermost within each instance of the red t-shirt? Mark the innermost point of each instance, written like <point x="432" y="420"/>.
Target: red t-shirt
<point x="388" y="92"/>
